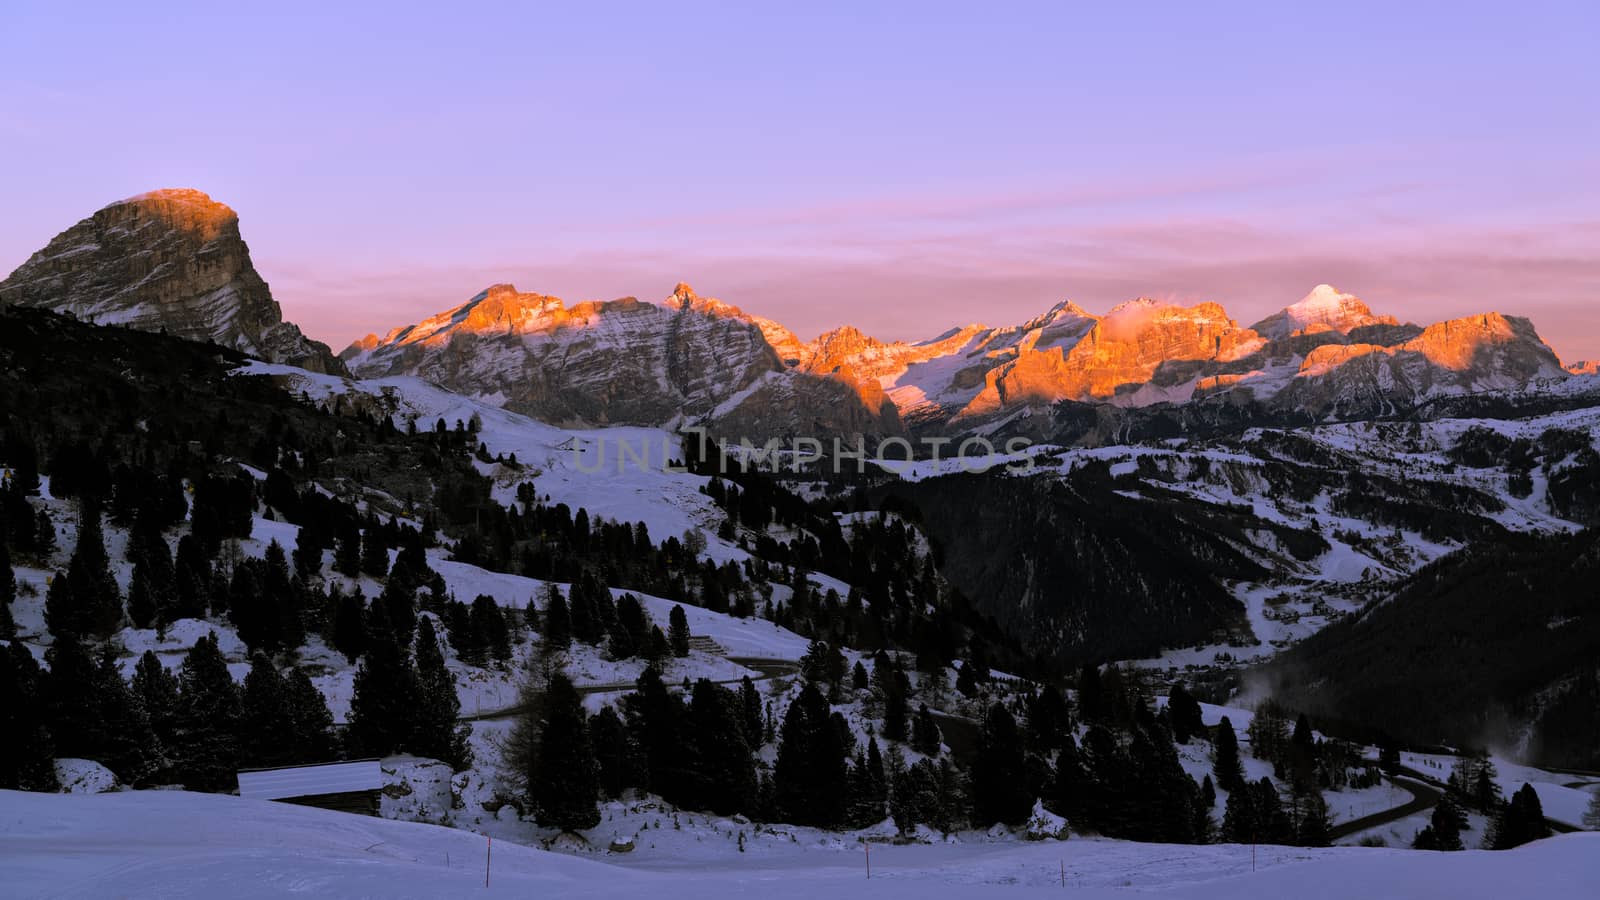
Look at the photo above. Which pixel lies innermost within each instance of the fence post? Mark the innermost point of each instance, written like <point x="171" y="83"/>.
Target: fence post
<point x="487" y="855"/>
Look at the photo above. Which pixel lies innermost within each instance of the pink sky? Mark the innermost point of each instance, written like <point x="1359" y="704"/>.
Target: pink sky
<point x="899" y="167"/>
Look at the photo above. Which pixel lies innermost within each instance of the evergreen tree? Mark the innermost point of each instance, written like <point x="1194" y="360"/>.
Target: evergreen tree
<point x="564" y="783"/>
<point x="347" y="552"/>
<point x="27" y="752"/>
<point x="1519" y="821"/>
<point x="858" y="677"/>
<point x="678" y="631"/>
<point x="750" y="716"/>
<point x="206" y="749"/>
<point x="613" y="753"/>
<point x="926" y="737"/>
<point x="810" y="780"/>
<point x="95" y="592"/>
<point x="8" y="575"/>
<point x="999" y="786"/>
<point x="1226" y="764"/>
<point x="557" y="622"/>
<point x="724" y="764"/>
<point x="157" y="690"/>
<point x="1313" y="825"/>
<point x="439" y="734"/>
<point x="73" y="718"/>
<point x="632" y="633"/>
<point x="1183" y="711"/>
<point x="894" y="705"/>
<point x="310" y="737"/>
<point x="489" y="629"/>
<point x="383" y="708"/>
<point x="374" y="553"/>
<point x="141" y="598"/>
<point x="1443" y="831"/>
<point x="350" y="626"/>
<point x="265" y="724"/>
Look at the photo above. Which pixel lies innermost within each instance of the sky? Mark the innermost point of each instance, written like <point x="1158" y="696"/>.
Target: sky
<point x="902" y="167"/>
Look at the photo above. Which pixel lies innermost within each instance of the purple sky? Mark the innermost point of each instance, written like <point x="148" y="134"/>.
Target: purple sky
<point x="903" y="170"/>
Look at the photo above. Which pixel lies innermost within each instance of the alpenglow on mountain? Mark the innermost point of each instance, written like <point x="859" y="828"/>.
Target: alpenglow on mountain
<point x="174" y="260"/>
<point x="170" y="260"/>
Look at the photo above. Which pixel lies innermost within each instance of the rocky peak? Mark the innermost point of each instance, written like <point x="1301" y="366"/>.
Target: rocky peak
<point x="1324" y="309"/>
<point x="169" y="260"/>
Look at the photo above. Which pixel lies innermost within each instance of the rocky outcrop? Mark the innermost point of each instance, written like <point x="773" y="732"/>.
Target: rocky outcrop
<point x="1323" y="310"/>
<point x="689" y="360"/>
<point x="172" y="261"/>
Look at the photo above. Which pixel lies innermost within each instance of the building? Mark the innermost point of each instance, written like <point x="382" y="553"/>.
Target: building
<point x="345" y="786"/>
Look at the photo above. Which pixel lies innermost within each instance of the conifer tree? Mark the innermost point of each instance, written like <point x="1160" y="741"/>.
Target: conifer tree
<point x="383" y="707"/>
<point x="208" y="724"/>
<point x="564" y="783"/>
<point x="265" y="723"/>
<point x="612" y="753"/>
<point x="440" y="735"/>
<point x="926" y="737"/>
<point x="89" y="576"/>
<point x="810" y="780"/>
<point x="557" y="622"/>
<point x="725" y="767"/>
<point x="1519" y="821"/>
<point x="157" y="690"/>
<point x="350" y="626"/>
<point x="8" y="575"/>
<point x="999" y="785"/>
<point x="1183" y="712"/>
<point x="1226" y="764"/>
<point x="678" y="631"/>
<point x="1443" y="831"/>
<point x="27" y="753"/>
<point x="489" y="629"/>
<point x="310" y="738"/>
<point x="750" y="716"/>
<point x="374" y="553"/>
<point x="347" y="551"/>
<point x="141" y="598"/>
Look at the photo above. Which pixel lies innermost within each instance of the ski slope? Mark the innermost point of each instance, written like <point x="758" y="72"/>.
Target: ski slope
<point x="173" y="844"/>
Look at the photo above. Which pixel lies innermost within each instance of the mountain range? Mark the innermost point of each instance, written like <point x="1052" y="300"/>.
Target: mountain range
<point x="174" y="260"/>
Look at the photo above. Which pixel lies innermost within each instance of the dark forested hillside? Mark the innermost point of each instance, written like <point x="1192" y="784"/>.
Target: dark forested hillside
<point x="1472" y="650"/>
<point x="1079" y="571"/>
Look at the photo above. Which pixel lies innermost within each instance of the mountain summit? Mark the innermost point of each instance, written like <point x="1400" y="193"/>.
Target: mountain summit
<point x="168" y="260"/>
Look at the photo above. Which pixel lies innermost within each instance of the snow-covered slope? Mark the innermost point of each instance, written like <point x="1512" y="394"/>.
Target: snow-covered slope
<point x="176" y="844"/>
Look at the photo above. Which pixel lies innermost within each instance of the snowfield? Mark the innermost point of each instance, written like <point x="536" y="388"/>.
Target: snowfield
<point x="173" y="844"/>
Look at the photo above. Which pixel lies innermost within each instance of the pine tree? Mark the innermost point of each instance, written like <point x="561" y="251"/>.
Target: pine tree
<point x="265" y="723"/>
<point x="678" y="631"/>
<point x="1313" y="825"/>
<point x="810" y="780"/>
<point x="999" y="784"/>
<point x="141" y="598"/>
<point x="310" y="737"/>
<point x="387" y="694"/>
<point x="350" y="626"/>
<point x="1443" y="831"/>
<point x="73" y="717"/>
<point x="1184" y="713"/>
<point x="1519" y="821"/>
<point x="89" y="576"/>
<point x="157" y="690"/>
<point x="632" y="633"/>
<point x="1226" y="764"/>
<point x="725" y="766"/>
<point x="489" y="629"/>
<point x="613" y="753"/>
<point x="347" y="549"/>
<point x="564" y="783"/>
<point x="750" y="716"/>
<point x="557" y="622"/>
<point x="926" y="738"/>
<point x="207" y="750"/>
<point x="27" y="753"/>
<point x="439" y="735"/>
<point x="374" y="553"/>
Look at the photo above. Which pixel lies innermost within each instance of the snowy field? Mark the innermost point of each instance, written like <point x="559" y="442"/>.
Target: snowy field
<point x="174" y="844"/>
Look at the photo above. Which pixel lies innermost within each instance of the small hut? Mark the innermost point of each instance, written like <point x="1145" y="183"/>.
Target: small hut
<point x="344" y="786"/>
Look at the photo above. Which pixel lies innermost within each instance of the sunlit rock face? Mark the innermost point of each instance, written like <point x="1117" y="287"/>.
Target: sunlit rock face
<point x="689" y="360"/>
<point x="169" y="260"/>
